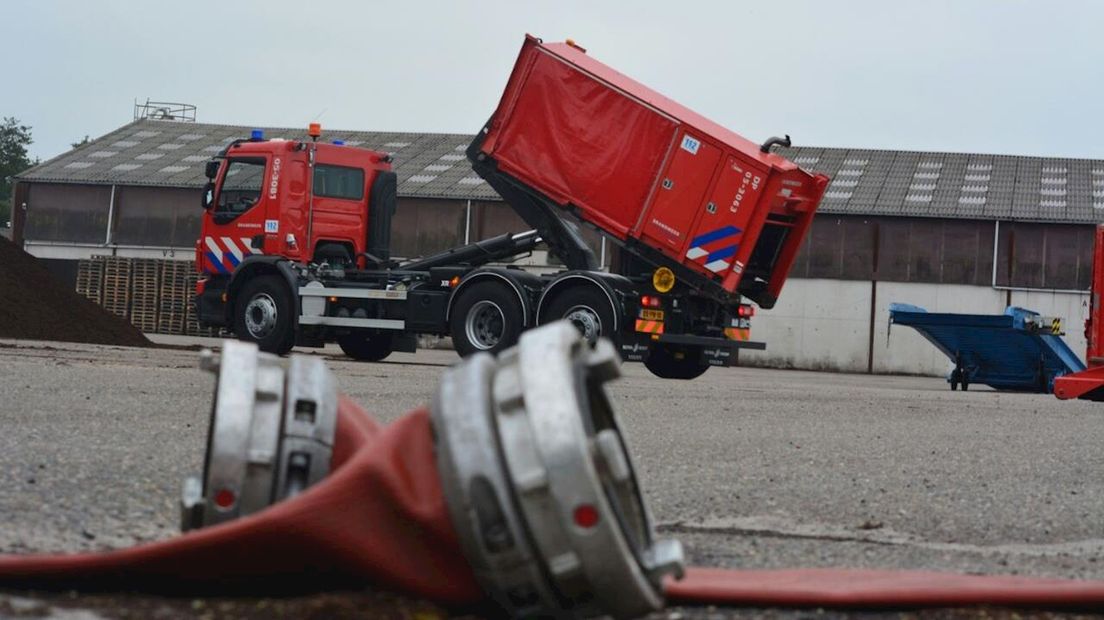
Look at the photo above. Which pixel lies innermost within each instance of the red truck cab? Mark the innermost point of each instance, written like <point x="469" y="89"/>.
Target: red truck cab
<point x="263" y="204"/>
<point x="263" y="200"/>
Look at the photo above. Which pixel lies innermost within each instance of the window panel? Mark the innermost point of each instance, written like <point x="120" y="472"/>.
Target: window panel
<point x="925" y="250"/>
<point x="1027" y="252"/>
<point x="338" y="182"/>
<point x="74" y="213"/>
<point x="1060" y="257"/>
<point x="893" y="249"/>
<point x="858" y="249"/>
<point x="960" y="252"/>
<point x="826" y="247"/>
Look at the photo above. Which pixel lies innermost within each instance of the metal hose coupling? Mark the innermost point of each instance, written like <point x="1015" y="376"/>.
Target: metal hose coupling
<point x="539" y="483"/>
<point x="270" y="437"/>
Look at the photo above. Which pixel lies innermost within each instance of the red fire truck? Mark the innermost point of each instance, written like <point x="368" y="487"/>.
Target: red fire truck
<point x="295" y="243"/>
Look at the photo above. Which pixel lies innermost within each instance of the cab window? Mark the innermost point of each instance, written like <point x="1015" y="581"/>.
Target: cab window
<point x="338" y="182"/>
<point x="241" y="187"/>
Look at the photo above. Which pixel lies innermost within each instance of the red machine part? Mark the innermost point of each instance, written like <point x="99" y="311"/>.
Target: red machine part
<point x="1089" y="384"/>
<point x="380" y="518"/>
<point x="1094" y="326"/>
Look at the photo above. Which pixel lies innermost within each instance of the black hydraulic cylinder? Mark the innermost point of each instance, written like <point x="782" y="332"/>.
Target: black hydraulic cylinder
<point x="479" y="253"/>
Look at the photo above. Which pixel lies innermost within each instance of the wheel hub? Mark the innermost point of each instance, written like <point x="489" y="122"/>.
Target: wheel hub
<point x="485" y="324"/>
<point x="260" y="316"/>
<point x="586" y="320"/>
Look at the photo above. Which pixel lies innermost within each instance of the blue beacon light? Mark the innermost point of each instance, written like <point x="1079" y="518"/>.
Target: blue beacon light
<point x="339" y="143"/>
<point x="256" y="135"/>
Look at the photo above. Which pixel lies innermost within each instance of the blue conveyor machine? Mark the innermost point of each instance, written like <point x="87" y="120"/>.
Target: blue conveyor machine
<point x="1018" y="350"/>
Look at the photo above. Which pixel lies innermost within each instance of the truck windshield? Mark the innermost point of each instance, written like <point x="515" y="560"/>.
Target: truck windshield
<point x="241" y="187"/>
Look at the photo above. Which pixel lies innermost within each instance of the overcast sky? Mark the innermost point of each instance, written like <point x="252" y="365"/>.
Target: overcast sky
<point x="993" y="76"/>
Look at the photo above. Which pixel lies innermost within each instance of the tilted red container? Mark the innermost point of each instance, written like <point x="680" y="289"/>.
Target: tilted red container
<point x="667" y="182"/>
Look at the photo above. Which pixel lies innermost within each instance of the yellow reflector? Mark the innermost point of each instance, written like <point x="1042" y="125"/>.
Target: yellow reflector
<point x="663" y="279"/>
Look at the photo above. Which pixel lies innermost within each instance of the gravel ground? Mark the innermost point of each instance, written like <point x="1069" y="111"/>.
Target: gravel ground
<point x="748" y="467"/>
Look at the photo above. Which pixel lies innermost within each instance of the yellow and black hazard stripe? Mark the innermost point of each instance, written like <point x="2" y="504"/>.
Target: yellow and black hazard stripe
<point x="737" y="333"/>
<point x="649" y="327"/>
<point x="1056" y="326"/>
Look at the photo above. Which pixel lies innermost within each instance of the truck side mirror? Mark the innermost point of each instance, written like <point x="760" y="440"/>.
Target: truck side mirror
<point x="208" y="195"/>
<point x="211" y="171"/>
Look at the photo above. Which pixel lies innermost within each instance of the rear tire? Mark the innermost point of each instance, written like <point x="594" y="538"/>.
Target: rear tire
<point x="585" y="307"/>
<point x="676" y="363"/>
<point x="487" y="316"/>
<point x="366" y="347"/>
<point x="263" y="314"/>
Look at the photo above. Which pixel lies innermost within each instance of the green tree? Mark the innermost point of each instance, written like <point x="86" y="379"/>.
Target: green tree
<point x="14" y="140"/>
<point x="81" y="142"/>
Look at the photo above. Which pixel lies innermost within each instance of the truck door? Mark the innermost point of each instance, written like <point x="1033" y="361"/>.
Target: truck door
<point x="237" y="216"/>
<point x="681" y="191"/>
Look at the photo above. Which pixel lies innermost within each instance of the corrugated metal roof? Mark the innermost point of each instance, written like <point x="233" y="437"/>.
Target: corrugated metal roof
<point x="957" y="185"/>
<point x="864" y="181"/>
<point x="172" y="154"/>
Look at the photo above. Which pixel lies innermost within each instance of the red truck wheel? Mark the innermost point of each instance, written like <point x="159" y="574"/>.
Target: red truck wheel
<point x="487" y="316"/>
<point x="262" y="315"/>
<point x="681" y="363"/>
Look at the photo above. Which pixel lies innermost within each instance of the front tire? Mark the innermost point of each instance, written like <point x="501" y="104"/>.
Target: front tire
<point x="263" y="315"/>
<point x="676" y="363"/>
<point x="366" y="347"/>
<point x="487" y="316"/>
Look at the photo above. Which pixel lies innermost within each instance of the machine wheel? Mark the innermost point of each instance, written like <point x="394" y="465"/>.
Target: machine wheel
<point x="587" y="309"/>
<point x="366" y="347"/>
<point x="263" y="314"/>
<point x="487" y="316"/>
<point x="676" y="363"/>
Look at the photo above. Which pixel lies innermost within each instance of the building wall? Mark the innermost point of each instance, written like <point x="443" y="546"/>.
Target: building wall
<point x="822" y="321"/>
<point x="824" y="324"/>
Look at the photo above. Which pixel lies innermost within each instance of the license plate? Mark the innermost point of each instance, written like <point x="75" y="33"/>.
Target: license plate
<point x="651" y="315"/>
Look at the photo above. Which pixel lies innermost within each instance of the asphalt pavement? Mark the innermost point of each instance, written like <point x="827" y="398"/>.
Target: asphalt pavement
<point x="748" y="467"/>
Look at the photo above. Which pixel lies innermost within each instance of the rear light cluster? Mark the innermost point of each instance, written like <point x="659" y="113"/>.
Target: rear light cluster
<point x="651" y="301"/>
<point x="745" y="311"/>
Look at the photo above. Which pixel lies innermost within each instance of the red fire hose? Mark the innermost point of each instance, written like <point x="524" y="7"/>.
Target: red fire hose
<point x="379" y="518"/>
<point x="382" y="516"/>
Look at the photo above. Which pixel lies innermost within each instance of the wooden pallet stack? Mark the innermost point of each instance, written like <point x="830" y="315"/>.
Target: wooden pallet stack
<point x="145" y="293"/>
<point x="116" y="285"/>
<point x="175" y="296"/>
<point x="90" y="273"/>
<point x="155" y="295"/>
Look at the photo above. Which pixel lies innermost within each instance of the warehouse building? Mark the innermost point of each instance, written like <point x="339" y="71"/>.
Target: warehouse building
<point x="947" y="231"/>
